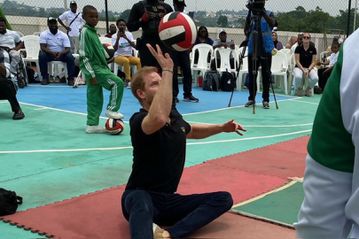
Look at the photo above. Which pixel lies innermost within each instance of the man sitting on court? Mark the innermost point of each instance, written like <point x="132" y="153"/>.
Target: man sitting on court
<point x="55" y="46"/>
<point x="8" y="86"/>
<point x="158" y="134"/>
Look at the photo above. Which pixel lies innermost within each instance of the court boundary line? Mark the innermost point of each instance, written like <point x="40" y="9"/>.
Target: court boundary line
<point x="128" y="147"/>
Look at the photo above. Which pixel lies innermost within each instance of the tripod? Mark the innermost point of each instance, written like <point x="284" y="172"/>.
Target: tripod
<point x="257" y="42"/>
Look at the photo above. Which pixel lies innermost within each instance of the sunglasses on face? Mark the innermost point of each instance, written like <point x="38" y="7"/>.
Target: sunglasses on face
<point x="305" y="37"/>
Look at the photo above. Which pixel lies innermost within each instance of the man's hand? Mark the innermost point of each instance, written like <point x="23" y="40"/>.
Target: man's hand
<point x="2" y="70"/>
<point x="164" y="61"/>
<point x="232" y="126"/>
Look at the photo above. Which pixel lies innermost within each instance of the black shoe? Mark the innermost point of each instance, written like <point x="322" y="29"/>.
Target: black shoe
<point x="44" y="82"/>
<point x="265" y="104"/>
<point x="18" y="115"/>
<point x="71" y="82"/>
<point x="249" y="103"/>
<point x="191" y="98"/>
<point x="176" y="100"/>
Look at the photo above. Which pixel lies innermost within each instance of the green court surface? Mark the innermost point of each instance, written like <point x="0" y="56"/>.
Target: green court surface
<point x="281" y="206"/>
<point x="47" y="157"/>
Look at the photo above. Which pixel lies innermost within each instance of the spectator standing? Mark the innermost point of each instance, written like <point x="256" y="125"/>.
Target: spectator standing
<point x="55" y="46"/>
<point x="264" y="54"/>
<point x="181" y="59"/>
<point x="72" y="21"/>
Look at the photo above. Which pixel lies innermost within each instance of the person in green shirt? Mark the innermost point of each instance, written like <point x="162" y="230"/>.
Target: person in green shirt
<point x="94" y="67"/>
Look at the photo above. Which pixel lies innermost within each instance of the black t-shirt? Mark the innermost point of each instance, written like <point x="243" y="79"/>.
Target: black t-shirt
<point x="158" y="159"/>
<point x="305" y="56"/>
<point x="149" y="28"/>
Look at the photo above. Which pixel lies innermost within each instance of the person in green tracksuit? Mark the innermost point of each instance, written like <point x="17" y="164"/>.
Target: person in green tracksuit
<point x="330" y="209"/>
<point x="93" y="65"/>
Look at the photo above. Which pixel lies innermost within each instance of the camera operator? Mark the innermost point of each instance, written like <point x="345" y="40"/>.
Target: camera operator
<point x="257" y="15"/>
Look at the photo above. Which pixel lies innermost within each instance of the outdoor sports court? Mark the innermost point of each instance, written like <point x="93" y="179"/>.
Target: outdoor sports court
<point x="71" y="182"/>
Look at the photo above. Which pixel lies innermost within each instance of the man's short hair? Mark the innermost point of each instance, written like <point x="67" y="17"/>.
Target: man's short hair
<point x="87" y="8"/>
<point x="73" y="3"/>
<point x="138" y="83"/>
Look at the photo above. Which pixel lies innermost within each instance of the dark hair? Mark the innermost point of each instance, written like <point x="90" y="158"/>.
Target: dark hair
<point x="201" y="28"/>
<point x="120" y="20"/>
<point x="88" y="8"/>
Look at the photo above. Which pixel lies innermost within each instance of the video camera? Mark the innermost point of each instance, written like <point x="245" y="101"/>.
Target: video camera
<point x="256" y="6"/>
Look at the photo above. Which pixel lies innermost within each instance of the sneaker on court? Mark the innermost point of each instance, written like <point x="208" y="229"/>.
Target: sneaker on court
<point x="266" y="105"/>
<point x="299" y="92"/>
<point x="249" y="103"/>
<point x="191" y="98"/>
<point x="18" y="115"/>
<point x="114" y="115"/>
<point x="95" y="129"/>
<point x="308" y="91"/>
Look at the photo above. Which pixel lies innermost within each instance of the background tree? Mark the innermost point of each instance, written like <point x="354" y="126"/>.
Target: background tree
<point x="222" y="21"/>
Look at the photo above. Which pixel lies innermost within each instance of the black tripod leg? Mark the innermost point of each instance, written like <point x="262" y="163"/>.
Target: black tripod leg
<point x="275" y="98"/>
<point x="230" y="99"/>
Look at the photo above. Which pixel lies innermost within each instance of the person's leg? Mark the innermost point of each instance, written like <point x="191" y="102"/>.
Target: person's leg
<point x="312" y="81"/>
<point x="266" y="76"/>
<point x="252" y="83"/>
<point x="187" y="213"/>
<point x="15" y="60"/>
<point x="44" y="58"/>
<point x="70" y="64"/>
<point x="298" y="81"/>
<point x="8" y="92"/>
<point x="322" y="213"/>
<point x="187" y="74"/>
<point x="321" y="77"/>
<point x="125" y="62"/>
<point x="138" y="209"/>
<point x="115" y="85"/>
<point x="135" y="61"/>
<point x="94" y="103"/>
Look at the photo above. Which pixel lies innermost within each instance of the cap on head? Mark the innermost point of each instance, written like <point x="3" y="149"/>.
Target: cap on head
<point x="221" y="30"/>
<point x="179" y="2"/>
<point x="73" y="3"/>
<point x="51" y="20"/>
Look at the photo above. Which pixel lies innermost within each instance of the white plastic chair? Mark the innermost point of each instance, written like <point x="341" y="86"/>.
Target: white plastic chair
<point x="280" y="67"/>
<point x="224" y="55"/>
<point x="32" y="48"/>
<point x="203" y="63"/>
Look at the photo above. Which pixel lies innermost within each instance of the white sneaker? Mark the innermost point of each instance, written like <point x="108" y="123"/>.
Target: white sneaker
<point x="95" y="129"/>
<point x="114" y="115"/>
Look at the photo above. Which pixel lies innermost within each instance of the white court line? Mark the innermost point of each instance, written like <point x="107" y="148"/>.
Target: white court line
<point x="301" y="101"/>
<point x="41" y="107"/>
<point x="129" y="147"/>
<point x="233" y="107"/>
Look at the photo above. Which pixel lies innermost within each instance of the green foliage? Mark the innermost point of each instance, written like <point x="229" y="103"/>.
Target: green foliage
<point x="222" y="21"/>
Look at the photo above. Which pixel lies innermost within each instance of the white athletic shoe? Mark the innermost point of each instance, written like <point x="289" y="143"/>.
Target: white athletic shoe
<point x="114" y="115"/>
<point x="95" y="129"/>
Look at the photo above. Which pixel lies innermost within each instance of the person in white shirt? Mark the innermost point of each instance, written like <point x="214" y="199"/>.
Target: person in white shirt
<point x="11" y="42"/>
<point x="72" y="21"/>
<point x="55" y="46"/>
<point x="123" y="43"/>
<point x="324" y="72"/>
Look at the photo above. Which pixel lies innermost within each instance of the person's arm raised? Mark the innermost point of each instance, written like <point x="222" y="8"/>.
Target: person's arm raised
<point x="160" y="108"/>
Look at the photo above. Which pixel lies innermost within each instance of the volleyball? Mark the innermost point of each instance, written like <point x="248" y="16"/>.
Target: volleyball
<point x="177" y="31"/>
<point x="114" y="126"/>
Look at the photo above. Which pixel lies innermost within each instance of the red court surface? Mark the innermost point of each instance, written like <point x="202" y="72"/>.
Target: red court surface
<point x="286" y="159"/>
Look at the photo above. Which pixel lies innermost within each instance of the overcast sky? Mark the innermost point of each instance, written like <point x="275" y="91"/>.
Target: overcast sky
<point x="330" y="6"/>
